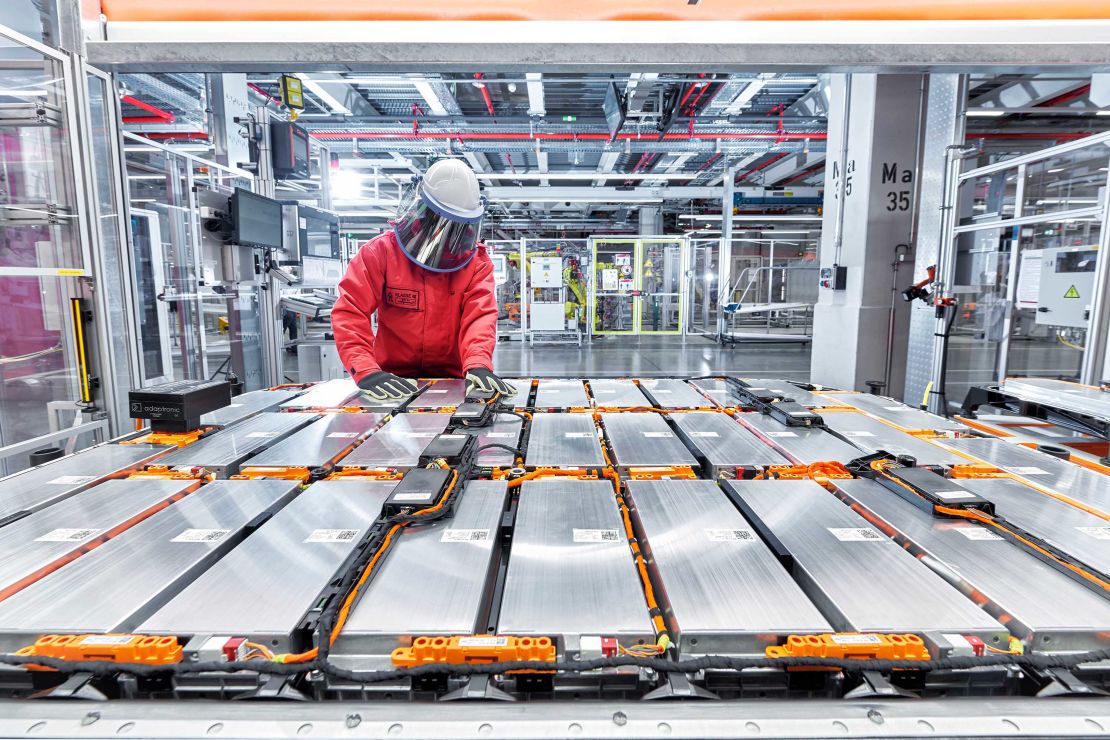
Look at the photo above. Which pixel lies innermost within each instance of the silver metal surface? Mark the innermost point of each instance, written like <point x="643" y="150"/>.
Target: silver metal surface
<point x="246" y="406"/>
<point x="44" y="485"/>
<point x="802" y="445"/>
<point x="727" y="593"/>
<point x="644" y="440"/>
<point x="331" y="394"/>
<point x="440" y="394"/>
<point x="672" y="393"/>
<point x="872" y="435"/>
<point x="563" y="440"/>
<point x="47" y="539"/>
<point x="1045" y="608"/>
<point x="399" y="443"/>
<point x="1061" y="394"/>
<point x="1076" y="532"/>
<point x="860" y="579"/>
<point x="225" y="451"/>
<point x="506" y="431"/>
<point x="519" y="400"/>
<point x="1081" y="484"/>
<point x="717" y="390"/>
<point x="788" y="390"/>
<point x="122" y="582"/>
<point x="320" y="443"/>
<point x="722" y="444"/>
<point x="561" y="394"/>
<point x="571" y="572"/>
<point x="894" y="412"/>
<point x="432" y="580"/>
<point x="620" y="394"/>
<point x="265" y="586"/>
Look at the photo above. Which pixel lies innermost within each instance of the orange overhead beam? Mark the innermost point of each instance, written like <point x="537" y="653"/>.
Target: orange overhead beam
<point x="607" y="10"/>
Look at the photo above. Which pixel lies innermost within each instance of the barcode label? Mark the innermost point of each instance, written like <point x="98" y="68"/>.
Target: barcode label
<point x="343" y="435"/>
<point x="107" y="639"/>
<point x="483" y="641"/>
<point x="604" y="390"/>
<point x="977" y="533"/>
<point x="464" y="535"/>
<point x="501" y="435"/>
<point x="1099" y="533"/>
<point x="578" y="435"/>
<point x="658" y="435"/>
<point x="782" y="434"/>
<point x="855" y="534"/>
<point x="1028" y="470"/>
<point x="595" y="535"/>
<point x="856" y="639"/>
<point x="704" y="434"/>
<point x="411" y="496"/>
<point x="858" y="434"/>
<point x="68" y="535"/>
<point x="71" y="480"/>
<point x="729" y="535"/>
<point x="956" y="494"/>
<point x="201" y="535"/>
<point x="333" y="535"/>
<point x="262" y="435"/>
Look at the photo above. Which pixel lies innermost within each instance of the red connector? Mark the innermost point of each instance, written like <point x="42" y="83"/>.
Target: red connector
<point x="978" y="647"/>
<point x="234" y="649"/>
<point x="609" y="647"/>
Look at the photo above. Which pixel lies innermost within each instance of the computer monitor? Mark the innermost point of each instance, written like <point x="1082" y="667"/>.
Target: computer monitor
<point x="256" y="220"/>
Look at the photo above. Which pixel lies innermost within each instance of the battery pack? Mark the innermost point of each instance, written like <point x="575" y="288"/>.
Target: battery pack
<point x="419" y="489"/>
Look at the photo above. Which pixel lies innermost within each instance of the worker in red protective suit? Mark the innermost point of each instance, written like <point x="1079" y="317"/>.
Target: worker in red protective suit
<point x="432" y="285"/>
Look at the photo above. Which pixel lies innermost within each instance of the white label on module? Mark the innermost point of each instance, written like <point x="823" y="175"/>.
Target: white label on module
<point x="201" y="535"/>
<point x="595" y="535"/>
<point x="856" y="534"/>
<point x="107" y="639"/>
<point x="464" y="535"/>
<point x="453" y="436"/>
<point x="71" y="480"/>
<point x="1099" y="533"/>
<point x="659" y="390"/>
<point x="333" y="535"/>
<point x="704" y="434"/>
<point x="1028" y="470"/>
<point x="895" y="408"/>
<point x="483" y="641"/>
<point x="604" y="390"/>
<point x="412" y="496"/>
<point x="856" y="639"/>
<point x="343" y="435"/>
<point x="729" y="535"/>
<point x="265" y="435"/>
<point x="419" y="435"/>
<point x="501" y="435"/>
<point x="658" y="435"/>
<point x="578" y="435"/>
<point x="782" y="434"/>
<point x="430" y="391"/>
<point x="955" y="494"/>
<point x="858" y="434"/>
<point x="234" y="405"/>
<point x="977" y="533"/>
<point x="68" y="535"/>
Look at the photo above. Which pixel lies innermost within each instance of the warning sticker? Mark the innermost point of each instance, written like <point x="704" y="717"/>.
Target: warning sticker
<point x="483" y="641"/>
<point x="333" y="535"/>
<point x="1028" y="470"/>
<point x="412" y="496"/>
<point x="782" y="434"/>
<point x="704" y="434"/>
<point x="596" y="535"/>
<point x="68" y="535"/>
<point x="856" y="534"/>
<point x="1099" y="533"/>
<point x="464" y="535"/>
<point x="71" y="480"/>
<point x="856" y="639"/>
<point x="578" y="435"/>
<point x="977" y="533"/>
<point x="729" y="535"/>
<point x="262" y="435"/>
<point x="658" y="435"/>
<point x="107" y="639"/>
<point x="1072" y="293"/>
<point x="343" y="435"/>
<point x="201" y="535"/>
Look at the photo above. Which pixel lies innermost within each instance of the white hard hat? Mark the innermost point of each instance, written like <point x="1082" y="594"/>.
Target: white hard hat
<point x="452" y="185"/>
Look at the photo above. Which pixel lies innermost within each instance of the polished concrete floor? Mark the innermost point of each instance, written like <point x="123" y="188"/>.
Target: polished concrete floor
<point x="653" y="355"/>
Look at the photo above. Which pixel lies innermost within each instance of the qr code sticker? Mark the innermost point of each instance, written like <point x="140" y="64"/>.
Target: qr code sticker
<point x="68" y="535"/>
<point x="465" y="535"/>
<point x="201" y="535"/>
<point x="729" y="535"/>
<point x="332" y="535"/>
<point x="855" y="534"/>
<point x="596" y="535"/>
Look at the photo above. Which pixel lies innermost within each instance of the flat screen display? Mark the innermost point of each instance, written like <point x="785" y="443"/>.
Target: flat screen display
<point x="257" y="220"/>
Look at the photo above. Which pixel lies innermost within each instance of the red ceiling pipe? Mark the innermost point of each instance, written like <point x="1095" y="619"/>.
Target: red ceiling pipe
<point x="1065" y="97"/>
<point x="524" y="135"/>
<point x="803" y="174"/>
<point x="174" y="134"/>
<point x="709" y="162"/>
<point x="268" y="96"/>
<point x="763" y="166"/>
<point x="485" y="92"/>
<point x="159" y="115"/>
<point x="693" y="109"/>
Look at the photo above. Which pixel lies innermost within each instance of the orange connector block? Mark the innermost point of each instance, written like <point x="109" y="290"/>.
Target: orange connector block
<point x="279" y="472"/>
<point x="464" y="649"/>
<point x="852" y="646"/>
<point x="817" y="471"/>
<point x="976" y="471"/>
<point x="680" y="472"/>
<point x="161" y="472"/>
<point x="177" y="439"/>
<point x="147" y="649"/>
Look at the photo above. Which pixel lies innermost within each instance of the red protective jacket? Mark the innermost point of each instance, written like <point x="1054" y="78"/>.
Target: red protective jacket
<point x="430" y="324"/>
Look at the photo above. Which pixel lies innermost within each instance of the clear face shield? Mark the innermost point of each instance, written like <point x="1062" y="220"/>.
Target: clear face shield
<point x="434" y="237"/>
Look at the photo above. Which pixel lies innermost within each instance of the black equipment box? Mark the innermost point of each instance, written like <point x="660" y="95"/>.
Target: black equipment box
<point x="177" y="406"/>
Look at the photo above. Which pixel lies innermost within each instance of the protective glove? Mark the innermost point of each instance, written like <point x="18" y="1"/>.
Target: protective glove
<point x="381" y="386"/>
<point x="483" y="379"/>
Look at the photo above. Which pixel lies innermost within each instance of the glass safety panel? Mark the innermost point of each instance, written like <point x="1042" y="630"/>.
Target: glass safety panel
<point x="661" y="286"/>
<point x="1066" y="182"/>
<point x="508" y="279"/>
<point x="615" y="285"/>
<point x="704" y="256"/>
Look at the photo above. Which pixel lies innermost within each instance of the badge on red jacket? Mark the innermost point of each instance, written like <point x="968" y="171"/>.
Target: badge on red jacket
<point x="402" y="298"/>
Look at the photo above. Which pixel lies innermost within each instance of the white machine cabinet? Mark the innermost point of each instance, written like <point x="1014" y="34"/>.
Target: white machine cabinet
<point x="1066" y="286"/>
